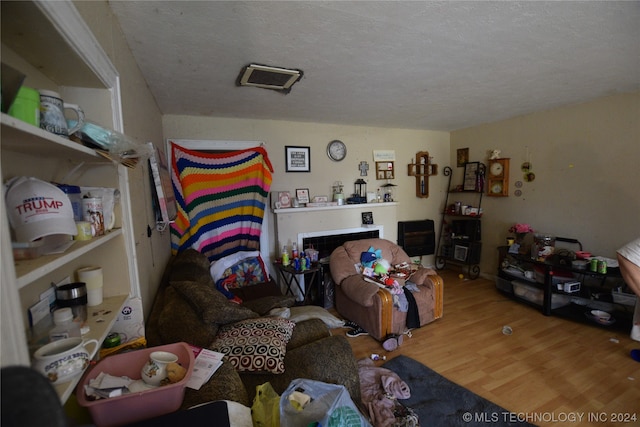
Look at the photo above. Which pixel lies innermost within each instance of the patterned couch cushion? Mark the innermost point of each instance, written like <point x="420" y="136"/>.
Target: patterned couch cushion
<point x="255" y="345"/>
<point x="211" y="305"/>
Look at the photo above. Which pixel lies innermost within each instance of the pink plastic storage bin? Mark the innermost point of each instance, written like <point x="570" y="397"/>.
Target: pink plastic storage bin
<point x="132" y="407"/>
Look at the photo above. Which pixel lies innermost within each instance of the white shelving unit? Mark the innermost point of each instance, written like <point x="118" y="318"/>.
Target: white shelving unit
<point x="51" y="44"/>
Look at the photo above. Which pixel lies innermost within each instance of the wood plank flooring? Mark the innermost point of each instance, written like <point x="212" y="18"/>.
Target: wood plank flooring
<point x="554" y="372"/>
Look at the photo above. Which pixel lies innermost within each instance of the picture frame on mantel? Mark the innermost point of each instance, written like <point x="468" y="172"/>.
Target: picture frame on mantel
<point x="297" y="159"/>
<point x="302" y="194"/>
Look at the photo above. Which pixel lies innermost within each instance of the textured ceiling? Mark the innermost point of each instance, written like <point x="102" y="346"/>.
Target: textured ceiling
<point x="407" y="64"/>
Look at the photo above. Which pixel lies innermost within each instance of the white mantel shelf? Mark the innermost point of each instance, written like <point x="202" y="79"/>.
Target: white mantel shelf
<point x="294" y="224"/>
<point x="333" y="208"/>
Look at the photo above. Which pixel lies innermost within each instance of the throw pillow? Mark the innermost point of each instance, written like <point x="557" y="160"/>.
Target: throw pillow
<point x="255" y="345"/>
<point x="249" y="271"/>
<point x="306" y="312"/>
<point x="211" y="305"/>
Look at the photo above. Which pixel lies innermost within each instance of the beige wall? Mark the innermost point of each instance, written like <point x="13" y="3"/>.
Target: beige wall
<point x="586" y="161"/>
<point x="142" y="122"/>
<point x="360" y="141"/>
<point x="585" y="158"/>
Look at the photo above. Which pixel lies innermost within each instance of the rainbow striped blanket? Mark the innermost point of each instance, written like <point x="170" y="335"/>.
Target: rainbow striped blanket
<point x="221" y="200"/>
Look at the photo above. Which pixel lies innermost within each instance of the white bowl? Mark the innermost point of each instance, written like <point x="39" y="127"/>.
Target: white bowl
<point x="602" y="315"/>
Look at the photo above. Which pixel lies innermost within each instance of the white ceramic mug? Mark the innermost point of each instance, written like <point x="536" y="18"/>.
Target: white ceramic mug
<point x="63" y="359"/>
<point x="52" y="117"/>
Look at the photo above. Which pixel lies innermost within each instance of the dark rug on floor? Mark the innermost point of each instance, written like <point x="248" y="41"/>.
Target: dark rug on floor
<point x="439" y="402"/>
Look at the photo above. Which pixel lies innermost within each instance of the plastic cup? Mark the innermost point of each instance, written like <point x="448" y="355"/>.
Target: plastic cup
<point x="26" y="106"/>
<point x="92" y="276"/>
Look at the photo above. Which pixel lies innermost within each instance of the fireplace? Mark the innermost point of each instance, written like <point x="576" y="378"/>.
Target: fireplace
<point x="326" y="241"/>
<point x="327" y="227"/>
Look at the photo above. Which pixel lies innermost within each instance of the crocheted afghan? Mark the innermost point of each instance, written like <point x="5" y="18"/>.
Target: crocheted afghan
<point x="221" y="200"/>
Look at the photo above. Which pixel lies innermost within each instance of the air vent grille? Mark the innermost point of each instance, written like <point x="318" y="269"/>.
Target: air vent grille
<point x="267" y="77"/>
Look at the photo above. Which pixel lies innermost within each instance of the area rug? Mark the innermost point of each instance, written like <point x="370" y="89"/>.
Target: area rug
<point x="439" y="402"/>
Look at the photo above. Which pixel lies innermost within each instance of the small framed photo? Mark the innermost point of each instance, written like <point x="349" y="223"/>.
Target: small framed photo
<point x="302" y="194"/>
<point x="284" y="200"/>
<point x="463" y="156"/>
<point x="471" y="170"/>
<point x="367" y="218"/>
<point x="297" y="159"/>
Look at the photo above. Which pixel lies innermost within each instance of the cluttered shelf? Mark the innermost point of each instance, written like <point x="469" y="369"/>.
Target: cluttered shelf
<point x="328" y="207"/>
<point x="100" y="321"/>
<point x="565" y="285"/>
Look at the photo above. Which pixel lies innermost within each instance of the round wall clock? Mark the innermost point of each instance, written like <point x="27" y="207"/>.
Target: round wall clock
<point x="496" y="169"/>
<point x="336" y="150"/>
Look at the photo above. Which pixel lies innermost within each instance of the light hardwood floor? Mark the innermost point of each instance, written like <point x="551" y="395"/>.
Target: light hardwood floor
<point x="550" y="370"/>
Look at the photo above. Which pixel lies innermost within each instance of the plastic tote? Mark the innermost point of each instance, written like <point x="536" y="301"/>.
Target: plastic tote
<point x="132" y="407"/>
<point x="329" y="405"/>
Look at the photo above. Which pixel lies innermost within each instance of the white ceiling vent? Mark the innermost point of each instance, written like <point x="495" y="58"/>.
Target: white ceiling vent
<point x="266" y="77"/>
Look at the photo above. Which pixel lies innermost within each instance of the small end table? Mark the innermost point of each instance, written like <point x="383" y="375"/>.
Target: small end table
<point x="290" y="276"/>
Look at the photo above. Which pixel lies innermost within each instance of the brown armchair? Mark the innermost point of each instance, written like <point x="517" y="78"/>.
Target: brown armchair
<point x="372" y="306"/>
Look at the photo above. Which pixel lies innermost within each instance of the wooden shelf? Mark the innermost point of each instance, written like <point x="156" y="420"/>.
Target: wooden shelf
<point x="30" y="270"/>
<point x="86" y="77"/>
<point x="100" y="319"/>
<point x="422" y="170"/>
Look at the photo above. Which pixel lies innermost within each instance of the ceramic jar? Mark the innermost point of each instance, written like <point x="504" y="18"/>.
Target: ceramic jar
<point x="155" y="370"/>
<point x="63" y="359"/>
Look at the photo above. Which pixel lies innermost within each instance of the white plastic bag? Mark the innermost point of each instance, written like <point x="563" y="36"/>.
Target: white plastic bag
<point x="329" y="405"/>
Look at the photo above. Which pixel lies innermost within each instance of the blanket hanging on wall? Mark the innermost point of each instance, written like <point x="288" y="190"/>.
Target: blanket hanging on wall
<point x="221" y="199"/>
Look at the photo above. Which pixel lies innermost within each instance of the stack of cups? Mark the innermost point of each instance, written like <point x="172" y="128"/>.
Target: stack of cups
<point x="92" y="276"/>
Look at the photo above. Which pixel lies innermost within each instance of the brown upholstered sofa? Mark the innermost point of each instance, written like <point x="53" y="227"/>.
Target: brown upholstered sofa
<point x="188" y="308"/>
<point x="370" y="305"/>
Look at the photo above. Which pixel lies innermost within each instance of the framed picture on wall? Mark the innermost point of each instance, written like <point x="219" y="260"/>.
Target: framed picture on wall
<point x="463" y="156"/>
<point x="367" y="218"/>
<point x="297" y="159"/>
<point x="470" y="175"/>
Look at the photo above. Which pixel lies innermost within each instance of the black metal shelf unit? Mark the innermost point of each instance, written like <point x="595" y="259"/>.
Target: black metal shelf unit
<point x="558" y="289"/>
<point x="460" y="237"/>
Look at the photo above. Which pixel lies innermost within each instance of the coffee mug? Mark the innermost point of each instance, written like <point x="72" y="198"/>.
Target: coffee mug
<point x="93" y="213"/>
<point x="63" y="359"/>
<point x="26" y="106"/>
<point x="52" y="117"/>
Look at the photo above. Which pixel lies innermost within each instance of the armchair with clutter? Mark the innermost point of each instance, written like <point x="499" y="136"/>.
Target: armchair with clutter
<point x="379" y="289"/>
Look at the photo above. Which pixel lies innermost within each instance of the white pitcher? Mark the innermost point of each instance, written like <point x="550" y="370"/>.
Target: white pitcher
<point x="154" y="372"/>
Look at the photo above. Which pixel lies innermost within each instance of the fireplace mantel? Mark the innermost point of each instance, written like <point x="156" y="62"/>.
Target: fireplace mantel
<point x="363" y="206"/>
<point x="292" y="223"/>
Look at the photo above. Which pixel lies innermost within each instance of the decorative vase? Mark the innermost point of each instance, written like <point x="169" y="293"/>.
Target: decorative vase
<point x="155" y="370"/>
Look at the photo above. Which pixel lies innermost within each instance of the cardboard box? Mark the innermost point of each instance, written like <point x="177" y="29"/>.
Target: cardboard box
<point x="130" y="322"/>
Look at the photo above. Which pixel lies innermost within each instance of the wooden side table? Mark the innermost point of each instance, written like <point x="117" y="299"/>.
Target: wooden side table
<point x="290" y="277"/>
